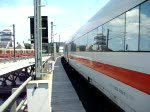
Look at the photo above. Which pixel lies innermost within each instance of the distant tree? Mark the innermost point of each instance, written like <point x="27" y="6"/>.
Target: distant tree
<point x="27" y="46"/>
<point x="51" y="47"/>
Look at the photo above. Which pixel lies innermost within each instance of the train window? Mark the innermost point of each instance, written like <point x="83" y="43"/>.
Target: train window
<point x="145" y="27"/>
<point x="90" y="44"/>
<point x="106" y="28"/>
<point x="86" y="42"/>
<point x="77" y="44"/>
<point x="7" y="52"/>
<point x="98" y="40"/>
<point x="1" y="51"/>
<point x="73" y="46"/>
<point x="69" y="47"/>
<point x="12" y="51"/>
<point x="83" y="41"/>
<point x="99" y="30"/>
<point x="21" y="51"/>
<point x="115" y="33"/>
<point x="132" y="30"/>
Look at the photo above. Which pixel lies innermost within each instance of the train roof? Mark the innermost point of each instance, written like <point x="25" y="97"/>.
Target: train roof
<point x="111" y="10"/>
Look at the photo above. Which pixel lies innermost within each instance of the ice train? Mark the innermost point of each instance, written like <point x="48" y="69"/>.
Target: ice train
<point x="112" y="51"/>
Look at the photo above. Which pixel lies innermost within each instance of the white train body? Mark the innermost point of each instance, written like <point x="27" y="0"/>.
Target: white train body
<point x="122" y="75"/>
<point x="127" y="97"/>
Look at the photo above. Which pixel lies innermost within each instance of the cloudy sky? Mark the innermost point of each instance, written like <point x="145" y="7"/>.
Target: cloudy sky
<point x="67" y="15"/>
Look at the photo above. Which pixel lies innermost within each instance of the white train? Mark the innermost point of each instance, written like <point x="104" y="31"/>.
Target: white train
<point x="112" y="51"/>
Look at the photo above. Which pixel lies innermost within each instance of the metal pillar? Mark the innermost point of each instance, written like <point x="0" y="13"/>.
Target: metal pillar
<point x="54" y="51"/>
<point x="107" y="38"/>
<point x="37" y="38"/>
<point x="40" y="30"/>
<point x="14" y="41"/>
<point x="59" y="40"/>
<point x="51" y="38"/>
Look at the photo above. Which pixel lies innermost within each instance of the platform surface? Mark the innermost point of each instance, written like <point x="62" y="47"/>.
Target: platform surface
<point x="63" y="96"/>
<point x="12" y="66"/>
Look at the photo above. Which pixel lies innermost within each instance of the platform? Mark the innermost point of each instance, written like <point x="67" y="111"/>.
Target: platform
<point x="12" y="66"/>
<point x="63" y="96"/>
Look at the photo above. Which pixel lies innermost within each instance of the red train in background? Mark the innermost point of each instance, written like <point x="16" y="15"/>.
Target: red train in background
<point x="6" y="53"/>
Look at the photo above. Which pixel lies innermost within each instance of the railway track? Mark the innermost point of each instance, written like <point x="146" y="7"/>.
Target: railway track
<point x="92" y="99"/>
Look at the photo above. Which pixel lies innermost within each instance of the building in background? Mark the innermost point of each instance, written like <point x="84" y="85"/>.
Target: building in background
<point x="6" y="39"/>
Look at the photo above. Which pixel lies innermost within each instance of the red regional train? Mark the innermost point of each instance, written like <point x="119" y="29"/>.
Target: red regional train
<point x="6" y="53"/>
<point x="112" y="51"/>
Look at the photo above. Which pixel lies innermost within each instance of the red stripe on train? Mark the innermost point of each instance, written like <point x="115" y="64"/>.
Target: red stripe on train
<point x="138" y="80"/>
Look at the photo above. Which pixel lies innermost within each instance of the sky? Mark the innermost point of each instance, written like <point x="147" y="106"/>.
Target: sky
<point x="67" y="15"/>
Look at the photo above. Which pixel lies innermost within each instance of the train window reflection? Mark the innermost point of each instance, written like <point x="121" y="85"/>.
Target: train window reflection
<point x="116" y="33"/>
<point x="73" y="46"/>
<point x="145" y="27"/>
<point x="132" y="30"/>
<point x="77" y="44"/>
<point x="91" y="36"/>
<point x="99" y="42"/>
<point x="106" y="29"/>
<point x="99" y="30"/>
<point x="82" y="45"/>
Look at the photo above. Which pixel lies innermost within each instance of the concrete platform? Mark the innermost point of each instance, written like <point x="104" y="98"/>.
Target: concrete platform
<point x="12" y="66"/>
<point x="63" y="96"/>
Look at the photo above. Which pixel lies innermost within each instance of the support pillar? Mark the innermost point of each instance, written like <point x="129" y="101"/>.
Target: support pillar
<point x="38" y="96"/>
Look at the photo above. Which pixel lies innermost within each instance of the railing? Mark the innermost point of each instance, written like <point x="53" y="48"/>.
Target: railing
<point x="47" y="67"/>
<point x="13" y="97"/>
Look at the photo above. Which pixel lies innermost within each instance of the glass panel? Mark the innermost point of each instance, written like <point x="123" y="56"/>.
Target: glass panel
<point x="98" y="40"/>
<point x="99" y="30"/>
<point x="116" y="33"/>
<point x="1" y="51"/>
<point x="82" y="46"/>
<point x="132" y="30"/>
<point x="106" y="29"/>
<point x="73" y="46"/>
<point x="7" y="52"/>
<point x="145" y="27"/>
<point x="86" y="41"/>
<point x="77" y="41"/>
<point x="91" y="35"/>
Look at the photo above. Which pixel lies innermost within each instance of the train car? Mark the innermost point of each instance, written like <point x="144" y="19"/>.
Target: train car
<point x="2" y="52"/>
<point x="112" y="51"/>
<point x="6" y="53"/>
